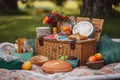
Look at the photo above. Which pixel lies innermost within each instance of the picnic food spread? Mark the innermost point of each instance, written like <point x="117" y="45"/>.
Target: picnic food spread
<point x="65" y="40"/>
<point x="62" y="28"/>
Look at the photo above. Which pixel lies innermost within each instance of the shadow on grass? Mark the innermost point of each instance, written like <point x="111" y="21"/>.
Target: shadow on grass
<point x="14" y="12"/>
<point x="113" y="14"/>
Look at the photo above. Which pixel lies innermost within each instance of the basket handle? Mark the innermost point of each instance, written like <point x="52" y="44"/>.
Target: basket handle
<point x="41" y="41"/>
<point x="90" y="19"/>
<point x="72" y="45"/>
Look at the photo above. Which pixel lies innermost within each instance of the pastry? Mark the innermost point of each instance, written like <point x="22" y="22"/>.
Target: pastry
<point x="77" y="36"/>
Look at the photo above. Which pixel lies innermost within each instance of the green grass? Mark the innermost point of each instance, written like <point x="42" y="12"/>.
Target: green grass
<point x="111" y="27"/>
<point x="13" y="27"/>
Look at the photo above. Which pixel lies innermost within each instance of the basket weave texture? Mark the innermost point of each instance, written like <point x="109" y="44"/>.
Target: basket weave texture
<point x="83" y="49"/>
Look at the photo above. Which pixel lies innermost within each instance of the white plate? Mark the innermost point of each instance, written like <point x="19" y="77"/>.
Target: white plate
<point x="85" y="28"/>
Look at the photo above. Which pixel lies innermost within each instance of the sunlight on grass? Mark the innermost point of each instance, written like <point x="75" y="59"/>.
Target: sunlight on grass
<point x="71" y="5"/>
<point x="21" y="5"/>
<point x="116" y="8"/>
<point x="44" y="4"/>
<point x="71" y="8"/>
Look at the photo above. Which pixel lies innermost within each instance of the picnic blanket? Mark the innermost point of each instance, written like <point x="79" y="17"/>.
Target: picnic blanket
<point x="110" y="71"/>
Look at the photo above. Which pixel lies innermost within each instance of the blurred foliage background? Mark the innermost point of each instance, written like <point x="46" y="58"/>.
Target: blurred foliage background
<point x="19" y="18"/>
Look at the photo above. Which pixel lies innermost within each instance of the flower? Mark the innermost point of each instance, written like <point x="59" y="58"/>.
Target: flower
<point x="53" y="17"/>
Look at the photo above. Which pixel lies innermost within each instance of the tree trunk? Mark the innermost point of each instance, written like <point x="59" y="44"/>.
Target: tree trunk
<point x="8" y="4"/>
<point x="2" y="5"/>
<point x="59" y="2"/>
<point x="96" y="8"/>
<point x="11" y="4"/>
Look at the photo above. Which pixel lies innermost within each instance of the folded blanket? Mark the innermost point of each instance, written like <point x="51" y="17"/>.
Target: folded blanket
<point x="8" y="61"/>
<point x="7" y="47"/>
<point x="12" y="65"/>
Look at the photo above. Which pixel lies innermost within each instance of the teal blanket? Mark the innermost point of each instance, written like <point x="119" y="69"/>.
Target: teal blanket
<point x="12" y="65"/>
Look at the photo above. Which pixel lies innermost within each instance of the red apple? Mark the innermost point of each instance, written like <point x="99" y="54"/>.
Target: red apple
<point x="68" y="32"/>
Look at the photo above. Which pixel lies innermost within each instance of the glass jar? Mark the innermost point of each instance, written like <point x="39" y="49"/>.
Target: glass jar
<point x="66" y="27"/>
<point x="54" y="30"/>
<point x="27" y="47"/>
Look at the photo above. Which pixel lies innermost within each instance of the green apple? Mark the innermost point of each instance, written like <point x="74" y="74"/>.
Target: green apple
<point x="66" y="56"/>
<point x="62" y="57"/>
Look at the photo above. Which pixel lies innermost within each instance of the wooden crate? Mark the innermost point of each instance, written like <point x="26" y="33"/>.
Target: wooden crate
<point x="83" y="48"/>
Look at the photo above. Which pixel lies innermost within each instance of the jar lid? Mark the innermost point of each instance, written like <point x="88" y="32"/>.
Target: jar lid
<point x="43" y="28"/>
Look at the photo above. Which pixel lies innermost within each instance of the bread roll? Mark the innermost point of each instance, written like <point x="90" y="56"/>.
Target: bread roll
<point x="77" y="36"/>
<point x="83" y="37"/>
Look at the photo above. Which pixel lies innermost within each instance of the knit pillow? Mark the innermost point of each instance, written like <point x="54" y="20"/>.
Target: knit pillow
<point x="109" y="49"/>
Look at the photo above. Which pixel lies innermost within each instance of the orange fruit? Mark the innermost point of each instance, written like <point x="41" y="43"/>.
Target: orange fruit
<point x="45" y="20"/>
<point x="98" y="56"/>
<point x="27" y="65"/>
<point x="66" y="28"/>
<point x="92" y="58"/>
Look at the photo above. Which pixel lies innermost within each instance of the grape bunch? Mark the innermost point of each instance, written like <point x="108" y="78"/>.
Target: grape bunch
<point x="72" y="58"/>
<point x="53" y="18"/>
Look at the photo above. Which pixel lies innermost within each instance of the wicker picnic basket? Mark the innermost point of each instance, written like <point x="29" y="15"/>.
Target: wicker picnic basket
<point x="82" y="49"/>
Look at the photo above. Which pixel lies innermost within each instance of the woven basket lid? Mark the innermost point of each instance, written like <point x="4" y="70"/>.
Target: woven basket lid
<point x="97" y="23"/>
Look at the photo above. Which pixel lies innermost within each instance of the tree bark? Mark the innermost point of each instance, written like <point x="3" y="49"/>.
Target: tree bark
<point x="59" y="2"/>
<point x="95" y="8"/>
<point x="2" y="5"/>
<point x="8" y="4"/>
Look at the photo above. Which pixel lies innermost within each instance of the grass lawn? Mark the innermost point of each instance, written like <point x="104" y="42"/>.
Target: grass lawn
<point x="13" y="27"/>
<point x="111" y="27"/>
